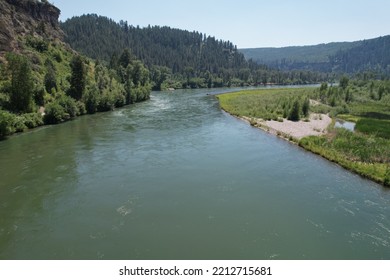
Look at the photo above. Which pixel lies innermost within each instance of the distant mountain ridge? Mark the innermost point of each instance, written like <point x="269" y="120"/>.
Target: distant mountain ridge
<point x="348" y="57"/>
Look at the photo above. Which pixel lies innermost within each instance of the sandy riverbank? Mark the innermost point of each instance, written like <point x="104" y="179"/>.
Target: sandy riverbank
<point x="317" y="125"/>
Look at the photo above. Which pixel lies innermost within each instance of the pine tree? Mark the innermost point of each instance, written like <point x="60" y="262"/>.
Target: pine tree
<point x="78" y="78"/>
<point x="306" y="107"/>
<point x="21" y="88"/>
<point x="295" y="112"/>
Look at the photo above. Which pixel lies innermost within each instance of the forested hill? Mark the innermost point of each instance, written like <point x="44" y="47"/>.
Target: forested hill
<point x="176" y="58"/>
<point x="44" y="81"/>
<point x="100" y="37"/>
<point x="369" y="55"/>
<point x="345" y="57"/>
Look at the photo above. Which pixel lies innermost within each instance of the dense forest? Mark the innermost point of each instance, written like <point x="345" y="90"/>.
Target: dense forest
<point x="176" y="58"/>
<point x="369" y="56"/>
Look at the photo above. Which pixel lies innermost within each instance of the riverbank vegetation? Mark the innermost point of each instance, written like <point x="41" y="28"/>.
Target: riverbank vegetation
<point x="48" y="83"/>
<point x="365" y="151"/>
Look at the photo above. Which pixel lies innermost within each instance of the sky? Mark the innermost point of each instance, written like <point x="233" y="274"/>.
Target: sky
<point x="249" y="23"/>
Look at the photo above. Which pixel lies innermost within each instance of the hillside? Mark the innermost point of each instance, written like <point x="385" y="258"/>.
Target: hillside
<point x="176" y="58"/>
<point x="344" y="57"/>
<point x="20" y="19"/>
<point x="44" y="81"/>
<point x="101" y="37"/>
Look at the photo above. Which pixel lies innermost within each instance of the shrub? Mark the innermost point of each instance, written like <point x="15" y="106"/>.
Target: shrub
<point x="19" y="124"/>
<point x="38" y="44"/>
<point x="6" y="123"/>
<point x="32" y="120"/>
<point x="106" y="103"/>
<point x="81" y="108"/>
<point x="69" y="105"/>
<point x="386" y="180"/>
<point x="90" y="99"/>
<point x="55" y="113"/>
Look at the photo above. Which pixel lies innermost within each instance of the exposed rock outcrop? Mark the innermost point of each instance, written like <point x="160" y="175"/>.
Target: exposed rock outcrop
<point x="19" y="18"/>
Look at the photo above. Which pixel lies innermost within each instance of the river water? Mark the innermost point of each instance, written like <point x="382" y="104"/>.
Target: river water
<point x="177" y="178"/>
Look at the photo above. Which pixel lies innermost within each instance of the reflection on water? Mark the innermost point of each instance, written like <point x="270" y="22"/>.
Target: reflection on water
<point x="177" y="178"/>
<point x="345" y="124"/>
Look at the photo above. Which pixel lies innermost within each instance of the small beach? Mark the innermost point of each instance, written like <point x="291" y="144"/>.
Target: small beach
<point x="316" y="125"/>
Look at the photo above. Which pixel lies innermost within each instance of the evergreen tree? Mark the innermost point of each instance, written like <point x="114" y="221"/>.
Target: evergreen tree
<point x="50" y="77"/>
<point x="78" y="78"/>
<point x="295" y="111"/>
<point x="21" y="87"/>
<point x="306" y="107"/>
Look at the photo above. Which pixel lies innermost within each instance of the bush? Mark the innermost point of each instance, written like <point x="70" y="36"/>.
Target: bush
<point x="106" y="103"/>
<point x="81" y="108"/>
<point x="90" y="99"/>
<point x="32" y="120"/>
<point x="6" y="123"/>
<point x="55" y="113"/>
<point x="69" y="105"/>
<point x="38" y="44"/>
<point x="19" y="124"/>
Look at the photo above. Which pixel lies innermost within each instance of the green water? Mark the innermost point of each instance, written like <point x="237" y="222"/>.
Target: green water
<point x="177" y="178"/>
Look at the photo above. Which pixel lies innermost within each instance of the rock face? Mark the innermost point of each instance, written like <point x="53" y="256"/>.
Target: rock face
<point x="19" y="18"/>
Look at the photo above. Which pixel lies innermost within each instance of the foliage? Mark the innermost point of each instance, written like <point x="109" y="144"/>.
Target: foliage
<point x="21" y="83"/>
<point x="11" y="123"/>
<point x="295" y="114"/>
<point x="266" y="103"/>
<point x="55" y="113"/>
<point x="380" y="128"/>
<point x="344" y="82"/>
<point x="78" y="78"/>
<point x="175" y="58"/>
<point x="38" y="44"/>
<point x="50" y="79"/>
<point x="6" y="123"/>
<point x="32" y="120"/>
<point x="64" y="88"/>
<point x="368" y="156"/>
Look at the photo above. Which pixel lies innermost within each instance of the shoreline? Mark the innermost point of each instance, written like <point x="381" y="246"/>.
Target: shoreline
<point x="350" y="166"/>
<point x="316" y="125"/>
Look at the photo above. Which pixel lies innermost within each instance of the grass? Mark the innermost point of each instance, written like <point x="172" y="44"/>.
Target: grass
<point x="365" y="151"/>
<point x="267" y="104"/>
<point x="378" y="127"/>
<point x="366" y="156"/>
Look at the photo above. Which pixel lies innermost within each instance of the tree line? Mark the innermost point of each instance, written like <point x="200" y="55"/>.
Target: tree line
<point x="176" y="58"/>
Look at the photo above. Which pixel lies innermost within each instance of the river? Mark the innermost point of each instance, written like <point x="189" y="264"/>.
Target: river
<point x="176" y="178"/>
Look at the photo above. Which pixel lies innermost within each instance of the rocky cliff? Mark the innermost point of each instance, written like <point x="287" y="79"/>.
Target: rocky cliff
<point x="19" y="18"/>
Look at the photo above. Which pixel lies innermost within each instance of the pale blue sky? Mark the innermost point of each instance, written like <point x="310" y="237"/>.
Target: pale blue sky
<point x="250" y="23"/>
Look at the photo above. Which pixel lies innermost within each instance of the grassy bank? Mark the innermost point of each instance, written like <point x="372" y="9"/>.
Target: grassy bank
<point x="366" y="151"/>
<point x="267" y="104"/>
